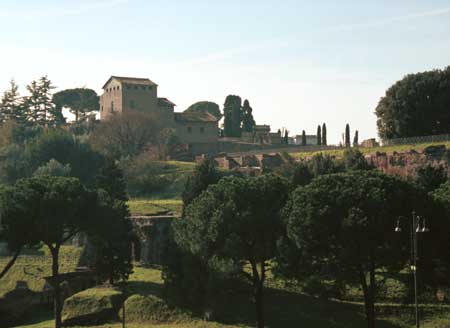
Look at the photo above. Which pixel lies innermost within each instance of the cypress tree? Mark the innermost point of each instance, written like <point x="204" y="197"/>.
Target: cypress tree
<point x="10" y="106"/>
<point x="324" y="134"/>
<point x="347" y="135"/>
<point x="248" y="122"/>
<point x="286" y="137"/>
<point x="303" y="138"/>
<point x="233" y="116"/>
<point x="319" y="136"/>
<point x="355" y="139"/>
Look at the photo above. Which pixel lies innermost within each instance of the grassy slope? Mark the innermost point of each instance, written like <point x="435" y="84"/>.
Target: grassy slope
<point x="284" y="309"/>
<point x="33" y="267"/>
<point x="154" y="206"/>
<point x="387" y="149"/>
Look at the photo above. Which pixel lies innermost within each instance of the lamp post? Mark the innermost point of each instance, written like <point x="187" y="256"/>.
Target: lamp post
<point x="416" y="228"/>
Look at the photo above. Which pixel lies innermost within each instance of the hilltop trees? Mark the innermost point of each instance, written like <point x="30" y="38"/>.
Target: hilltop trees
<point x="248" y="122"/>
<point x="81" y="102"/>
<point x="233" y="116"/>
<point x="324" y="134"/>
<point x="319" y="136"/>
<point x="10" y="106"/>
<point x="303" y="138"/>
<point x="417" y="105"/>
<point x="205" y="107"/>
<point x="347" y="135"/>
<point x="237" y="221"/>
<point x="355" y="213"/>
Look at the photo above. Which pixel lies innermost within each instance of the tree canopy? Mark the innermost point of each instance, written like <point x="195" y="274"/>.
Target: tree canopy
<point x="341" y="226"/>
<point x="80" y="101"/>
<point x="205" y="107"/>
<point x="237" y="219"/>
<point x="417" y="105"/>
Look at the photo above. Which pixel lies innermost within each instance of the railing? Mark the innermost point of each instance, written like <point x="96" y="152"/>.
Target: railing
<point x="417" y="140"/>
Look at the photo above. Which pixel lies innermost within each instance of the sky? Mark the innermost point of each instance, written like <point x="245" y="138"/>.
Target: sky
<point x="299" y="63"/>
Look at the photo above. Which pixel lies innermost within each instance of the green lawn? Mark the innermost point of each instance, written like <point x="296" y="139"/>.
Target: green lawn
<point x="154" y="206"/>
<point x="35" y="265"/>
<point x="367" y="151"/>
<point x="283" y="309"/>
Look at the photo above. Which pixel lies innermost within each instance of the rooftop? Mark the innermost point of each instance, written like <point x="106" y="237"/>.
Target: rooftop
<point x="165" y="102"/>
<point x="130" y="80"/>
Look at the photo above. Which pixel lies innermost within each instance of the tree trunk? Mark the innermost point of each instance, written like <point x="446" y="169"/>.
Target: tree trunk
<point x="56" y="284"/>
<point x="258" y="287"/>
<point x="10" y="263"/>
<point x="368" y="299"/>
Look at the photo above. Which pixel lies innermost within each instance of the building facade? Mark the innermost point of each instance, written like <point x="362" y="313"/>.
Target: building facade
<point x="127" y="94"/>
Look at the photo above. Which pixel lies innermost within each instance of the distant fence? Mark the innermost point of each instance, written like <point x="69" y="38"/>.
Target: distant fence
<point x="417" y="140"/>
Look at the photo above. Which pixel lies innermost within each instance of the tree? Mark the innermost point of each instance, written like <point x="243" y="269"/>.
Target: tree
<point x="355" y="139"/>
<point x="347" y="135"/>
<point x="416" y="105"/>
<point x="321" y="164"/>
<point x="302" y="175"/>
<point x="63" y="147"/>
<point x="82" y="102"/>
<point x="111" y="235"/>
<point x="127" y="134"/>
<point x="233" y="116"/>
<point x="324" y="134"/>
<point x="10" y="106"/>
<point x="430" y="177"/>
<point x="354" y="160"/>
<point x="303" y="138"/>
<point x="53" y="168"/>
<point x="248" y="122"/>
<point x="286" y="137"/>
<point x="50" y="210"/>
<point x="319" y="136"/>
<point x="205" y="107"/>
<point x="237" y="220"/>
<point x="356" y="213"/>
<point x="205" y="174"/>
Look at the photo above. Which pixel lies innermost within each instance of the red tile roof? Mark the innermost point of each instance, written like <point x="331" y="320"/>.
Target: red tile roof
<point x="131" y="80"/>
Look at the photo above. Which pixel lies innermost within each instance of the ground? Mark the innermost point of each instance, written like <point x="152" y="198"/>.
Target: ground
<point x="144" y="206"/>
<point x="283" y="309"/>
<point x="367" y="151"/>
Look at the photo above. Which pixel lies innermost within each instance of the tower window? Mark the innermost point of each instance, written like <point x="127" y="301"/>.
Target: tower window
<point x="112" y="106"/>
<point x="189" y="129"/>
<point x="135" y="87"/>
<point x="202" y="129"/>
<point x="132" y="104"/>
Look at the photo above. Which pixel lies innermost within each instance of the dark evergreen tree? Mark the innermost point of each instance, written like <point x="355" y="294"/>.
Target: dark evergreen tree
<point x="286" y="137"/>
<point x="324" y="134"/>
<point x="248" y="122"/>
<point x="10" y="106"/>
<point x="347" y="135"/>
<point x="356" y="139"/>
<point x="82" y="102"/>
<point x="319" y="135"/>
<point x="303" y="138"/>
<point x="233" y="116"/>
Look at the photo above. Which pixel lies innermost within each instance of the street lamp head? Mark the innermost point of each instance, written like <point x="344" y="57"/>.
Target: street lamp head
<point x="424" y="227"/>
<point x="398" y="228"/>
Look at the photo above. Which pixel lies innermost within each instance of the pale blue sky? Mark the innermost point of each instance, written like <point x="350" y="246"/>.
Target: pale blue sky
<point x="300" y="63"/>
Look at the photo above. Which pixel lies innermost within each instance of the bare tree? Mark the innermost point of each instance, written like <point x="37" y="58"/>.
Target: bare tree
<point x="127" y="134"/>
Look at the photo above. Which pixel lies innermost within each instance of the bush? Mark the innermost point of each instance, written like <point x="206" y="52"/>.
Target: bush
<point x="92" y="306"/>
<point x="149" y="309"/>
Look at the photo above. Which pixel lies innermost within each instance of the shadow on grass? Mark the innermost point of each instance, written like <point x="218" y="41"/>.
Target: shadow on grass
<point x="288" y="309"/>
<point x="143" y="288"/>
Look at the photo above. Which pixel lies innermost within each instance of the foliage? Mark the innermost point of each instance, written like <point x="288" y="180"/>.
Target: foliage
<point x="10" y="105"/>
<point x="248" y="122"/>
<point x="155" y="178"/>
<point x="233" y="116"/>
<point x="319" y="135"/>
<point x="355" y="212"/>
<point x="205" y="174"/>
<point x="416" y="105"/>
<point x="126" y="135"/>
<point x="324" y="134"/>
<point x="321" y="164"/>
<point x="81" y="102"/>
<point x="64" y="148"/>
<point x="353" y="159"/>
<point x="236" y="221"/>
<point x="430" y="177"/>
<point x="347" y="135"/>
<point x="53" y="168"/>
<point x="302" y="175"/>
<point x="205" y="107"/>
<point x="303" y="138"/>
<point x="356" y="139"/>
